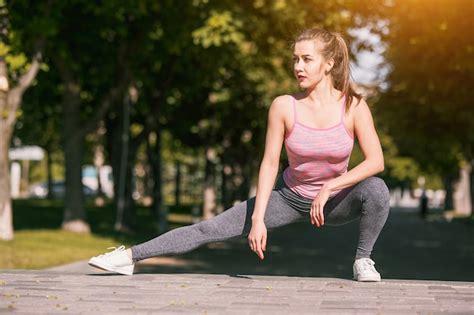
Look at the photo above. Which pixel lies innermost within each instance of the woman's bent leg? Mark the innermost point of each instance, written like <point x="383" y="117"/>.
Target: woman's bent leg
<point x="234" y="222"/>
<point x="369" y="200"/>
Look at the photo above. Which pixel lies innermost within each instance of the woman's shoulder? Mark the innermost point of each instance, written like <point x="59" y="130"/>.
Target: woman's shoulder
<point x="281" y="108"/>
<point x="361" y="111"/>
<point x="357" y="103"/>
<point x="283" y="99"/>
<point x="282" y="103"/>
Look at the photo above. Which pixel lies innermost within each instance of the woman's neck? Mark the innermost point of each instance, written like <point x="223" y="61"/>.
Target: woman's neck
<point x="322" y="94"/>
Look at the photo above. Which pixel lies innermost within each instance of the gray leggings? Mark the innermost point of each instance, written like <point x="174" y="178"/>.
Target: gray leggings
<point x="368" y="199"/>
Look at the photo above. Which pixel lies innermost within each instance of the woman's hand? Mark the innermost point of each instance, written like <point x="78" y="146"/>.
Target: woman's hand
<point x="258" y="238"/>
<point x="316" y="213"/>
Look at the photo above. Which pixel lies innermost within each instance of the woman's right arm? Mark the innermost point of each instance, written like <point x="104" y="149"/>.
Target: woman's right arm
<point x="268" y="172"/>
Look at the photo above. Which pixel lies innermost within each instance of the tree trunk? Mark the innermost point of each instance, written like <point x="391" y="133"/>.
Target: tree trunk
<point x="177" y="190"/>
<point x="471" y="186"/>
<point x="74" y="218"/>
<point x="448" y="186"/>
<point x="159" y="210"/>
<point x="75" y="132"/>
<point x="6" y="222"/>
<point x="98" y="164"/>
<point x="122" y="166"/>
<point x="122" y="152"/>
<point x="10" y="101"/>
<point x="128" y="222"/>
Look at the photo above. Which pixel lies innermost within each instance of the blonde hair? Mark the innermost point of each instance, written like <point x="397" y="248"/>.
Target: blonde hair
<point x="334" y="47"/>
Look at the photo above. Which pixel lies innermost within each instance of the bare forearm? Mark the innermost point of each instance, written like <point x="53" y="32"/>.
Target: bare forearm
<point x="266" y="180"/>
<point x="362" y="171"/>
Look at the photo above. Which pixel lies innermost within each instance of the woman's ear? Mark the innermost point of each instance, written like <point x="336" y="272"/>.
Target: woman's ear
<point x="329" y="65"/>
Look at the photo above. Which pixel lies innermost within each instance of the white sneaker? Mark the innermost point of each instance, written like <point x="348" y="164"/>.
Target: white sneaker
<point x="364" y="270"/>
<point x="116" y="260"/>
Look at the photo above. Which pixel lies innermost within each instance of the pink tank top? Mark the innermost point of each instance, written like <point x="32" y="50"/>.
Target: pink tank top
<point x="316" y="155"/>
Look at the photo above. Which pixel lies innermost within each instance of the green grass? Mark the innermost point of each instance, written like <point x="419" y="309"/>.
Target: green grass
<point x="39" y="242"/>
<point x="36" y="249"/>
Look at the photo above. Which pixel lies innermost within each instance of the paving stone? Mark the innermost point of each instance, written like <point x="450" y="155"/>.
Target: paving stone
<point x="192" y="293"/>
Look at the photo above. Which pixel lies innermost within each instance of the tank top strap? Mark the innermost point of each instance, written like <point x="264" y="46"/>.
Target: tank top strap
<point x="343" y="108"/>
<point x="294" y="109"/>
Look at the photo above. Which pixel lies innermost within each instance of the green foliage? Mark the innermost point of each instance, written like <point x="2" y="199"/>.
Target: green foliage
<point x="16" y="60"/>
<point x="219" y="28"/>
<point x="427" y="107"/>
<point x="4" y="49"/>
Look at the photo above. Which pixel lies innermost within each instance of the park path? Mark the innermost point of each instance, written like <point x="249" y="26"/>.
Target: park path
<point x="427" y="268"/>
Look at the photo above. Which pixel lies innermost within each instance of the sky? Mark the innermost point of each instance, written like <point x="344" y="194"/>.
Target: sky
<point x="369" y="66"/>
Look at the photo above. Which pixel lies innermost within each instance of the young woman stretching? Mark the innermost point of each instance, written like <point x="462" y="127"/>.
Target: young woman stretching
<point x="318" y="127"/>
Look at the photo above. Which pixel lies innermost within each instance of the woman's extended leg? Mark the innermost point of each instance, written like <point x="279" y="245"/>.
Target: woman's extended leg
<point x="369" y="200"/>
<point x="231" y="223"/>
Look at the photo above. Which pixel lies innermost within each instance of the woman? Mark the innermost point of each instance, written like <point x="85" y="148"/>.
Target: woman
<point x="317" y="126"/>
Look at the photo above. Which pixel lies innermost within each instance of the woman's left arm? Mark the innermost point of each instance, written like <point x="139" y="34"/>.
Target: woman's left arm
<point x="369" y="142"/>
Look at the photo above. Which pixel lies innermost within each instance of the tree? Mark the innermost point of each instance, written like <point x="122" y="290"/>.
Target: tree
<point x="16" y="71"/>
<point x="106" y="39"/>
<point x="427" y="106"/>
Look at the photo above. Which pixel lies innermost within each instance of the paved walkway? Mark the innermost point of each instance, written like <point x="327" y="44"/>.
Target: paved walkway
<point x="427" y="268"/>
<point x="49" y="292"/>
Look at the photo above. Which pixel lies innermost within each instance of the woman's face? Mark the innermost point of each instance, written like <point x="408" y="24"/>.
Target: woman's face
<point x="308" y="63"/>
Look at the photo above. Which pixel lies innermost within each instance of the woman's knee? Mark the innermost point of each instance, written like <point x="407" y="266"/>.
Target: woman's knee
<point x="375" y="188"/>
<point x="207" y="227"/>
<point x="224" y="224"/>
